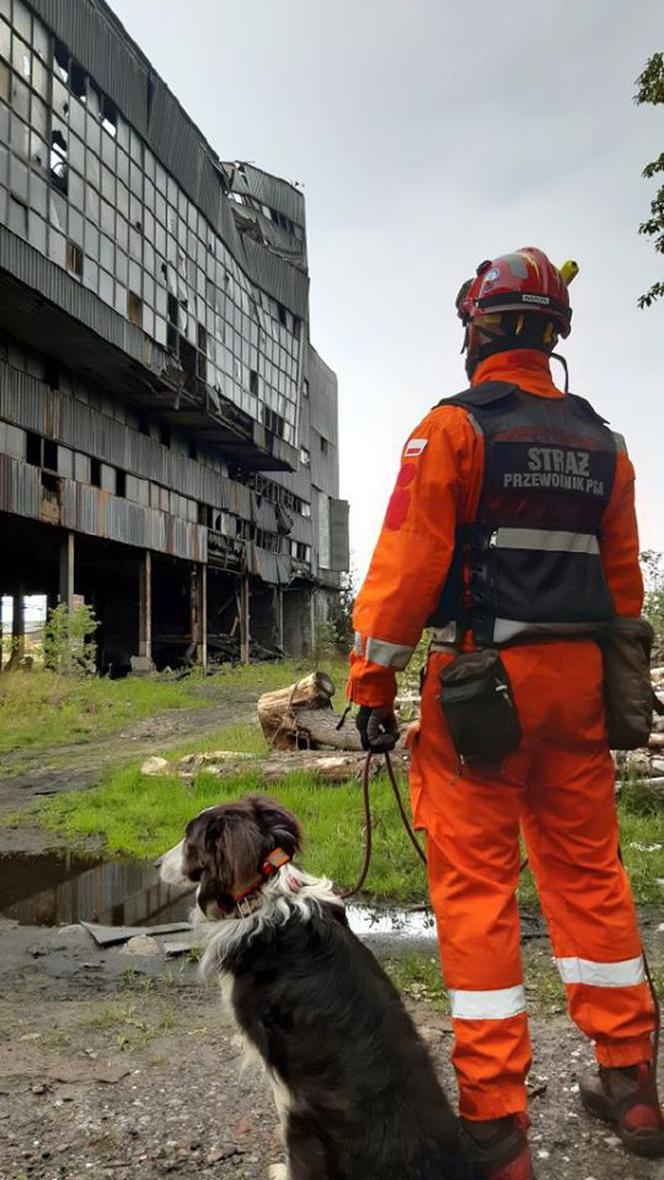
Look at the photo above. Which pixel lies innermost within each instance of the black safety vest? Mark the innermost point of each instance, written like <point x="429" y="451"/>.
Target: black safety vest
<point x="532" y="553"/>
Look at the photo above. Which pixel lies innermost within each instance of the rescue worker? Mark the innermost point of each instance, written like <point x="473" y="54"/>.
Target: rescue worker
<point x="512" y="527"/>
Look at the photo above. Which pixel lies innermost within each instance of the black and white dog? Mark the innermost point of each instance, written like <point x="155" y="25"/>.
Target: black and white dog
<point x="355" y="1088"/>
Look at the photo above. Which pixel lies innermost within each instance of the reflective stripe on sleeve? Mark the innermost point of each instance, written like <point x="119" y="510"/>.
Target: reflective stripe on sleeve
<point x="499" y="1004"/>
<point x="549" y="540"/>
<point x="380" y="651"/>
<point x="626" y="973"/>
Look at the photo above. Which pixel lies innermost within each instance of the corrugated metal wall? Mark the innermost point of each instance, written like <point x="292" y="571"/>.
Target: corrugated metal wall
<point x="93" y="511"/>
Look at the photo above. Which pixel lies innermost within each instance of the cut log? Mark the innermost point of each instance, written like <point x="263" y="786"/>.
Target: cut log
<point x="317" y="729"/>
<point x="332" y="768"/>
<point x="278" y="710"/>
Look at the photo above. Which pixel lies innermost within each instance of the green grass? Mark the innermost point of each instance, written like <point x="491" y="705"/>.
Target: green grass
<point x="42" y="709"/>
<point x="244" y="738"/>
<point x="141" y="816"/>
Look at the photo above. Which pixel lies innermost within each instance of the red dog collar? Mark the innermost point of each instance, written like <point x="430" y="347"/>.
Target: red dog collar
<point x="271" y="865"/>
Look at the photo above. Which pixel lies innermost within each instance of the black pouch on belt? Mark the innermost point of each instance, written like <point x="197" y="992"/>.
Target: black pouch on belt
<point x="629" y="696"/>
<point x="477" y="700"/>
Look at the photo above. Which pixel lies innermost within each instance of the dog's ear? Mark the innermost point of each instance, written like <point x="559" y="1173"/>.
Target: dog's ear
<point x="277" y="823"/>
<point x="237" y="846"/>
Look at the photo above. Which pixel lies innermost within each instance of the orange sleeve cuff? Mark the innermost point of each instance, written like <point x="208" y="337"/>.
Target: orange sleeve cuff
<point x="370" y="684"/>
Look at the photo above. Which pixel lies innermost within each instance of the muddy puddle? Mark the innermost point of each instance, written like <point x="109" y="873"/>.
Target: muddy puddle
<point x="61" y="888"/>
<point x="57" y="889"/>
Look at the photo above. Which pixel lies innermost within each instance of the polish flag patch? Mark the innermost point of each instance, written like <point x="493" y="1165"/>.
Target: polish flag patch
<point x="414" y="447"/>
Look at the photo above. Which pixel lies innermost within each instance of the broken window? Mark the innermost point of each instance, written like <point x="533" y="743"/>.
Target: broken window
<point x="58" y="162"/>
<point x="109" y="116"/>
<point x="120" y="482"/>
<point x="189" y="357"/>
<point x="75" y="259"/>
<point x="50" y="455"/>
<point x="50" y="484"/>
<point x="172" y="310"/>
<point x="143" y="423"/>
<point x="193" y="449"/>
<point x="253" y="382"/>
<point x="61" y="61"/>
<point x="323" y="445"/>
<point x="33" y="448"/>
<point x="134" y="309"/>
<point x="78" y="81"/>
<point x="95" y="473"/>
<point x="164" y="434"/>
<point x="305" y="457"/>
<point x="305" y="388"/>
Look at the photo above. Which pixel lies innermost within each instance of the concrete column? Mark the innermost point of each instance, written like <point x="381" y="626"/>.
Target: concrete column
<point x="67" y="558"/>
<point x="279" y="615"/>
<point x="245" y="620"/>
<point x="204" y="615"/>
<point x="18" y="627"/>
<point x="145" y="611"/>
<point x="312" y="621"/>
<point x="199" y="612"/>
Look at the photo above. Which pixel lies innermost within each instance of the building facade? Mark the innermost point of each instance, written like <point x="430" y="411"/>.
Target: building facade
<point x="168" y="434"/>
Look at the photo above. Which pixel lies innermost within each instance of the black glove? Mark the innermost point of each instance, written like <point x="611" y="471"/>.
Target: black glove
<point x="378" y="728"/>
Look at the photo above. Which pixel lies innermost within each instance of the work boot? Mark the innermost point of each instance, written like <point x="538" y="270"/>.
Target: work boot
<point x="628" y="1098"/>
<point x="498" y="1148"/>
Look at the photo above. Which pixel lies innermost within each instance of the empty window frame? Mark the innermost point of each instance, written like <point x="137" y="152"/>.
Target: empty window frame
<point x="134" y="309"/>
<point x="95" y="472"/>
<point x="50" y="455"/>
<point x="58" y="162"/>
<point x="33" y="448"/>
<point x="74" y="260"/>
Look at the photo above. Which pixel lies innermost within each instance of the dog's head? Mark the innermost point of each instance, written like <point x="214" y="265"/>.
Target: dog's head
<point x="225" y="848"/>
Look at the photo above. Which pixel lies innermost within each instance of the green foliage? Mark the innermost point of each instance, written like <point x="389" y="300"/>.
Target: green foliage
<point x="69" y="646"/>
<point x="652" y="565"/>
<point x="650" y="89"/>
<point x="326" y="643"/>
<point x="343" y="617"/>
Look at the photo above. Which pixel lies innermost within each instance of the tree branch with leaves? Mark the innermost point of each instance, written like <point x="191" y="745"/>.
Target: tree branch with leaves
<point x="650" y="89"/>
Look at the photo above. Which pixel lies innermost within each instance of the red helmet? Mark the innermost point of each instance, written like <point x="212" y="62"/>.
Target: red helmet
<point x="525" y="281"/>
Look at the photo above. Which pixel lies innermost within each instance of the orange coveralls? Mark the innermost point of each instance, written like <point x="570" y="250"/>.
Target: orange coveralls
<point x="558" y="787"/>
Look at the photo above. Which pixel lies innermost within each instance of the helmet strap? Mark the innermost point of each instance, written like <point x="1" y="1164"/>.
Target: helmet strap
<point x="557" y="357"/>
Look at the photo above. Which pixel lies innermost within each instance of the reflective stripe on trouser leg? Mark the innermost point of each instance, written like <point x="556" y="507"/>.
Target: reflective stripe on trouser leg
<point x="571" y="833"/>
<point x="479" y="945"/>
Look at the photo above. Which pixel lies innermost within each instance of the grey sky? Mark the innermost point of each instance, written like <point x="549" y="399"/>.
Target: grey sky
<point x="429" y="135"/>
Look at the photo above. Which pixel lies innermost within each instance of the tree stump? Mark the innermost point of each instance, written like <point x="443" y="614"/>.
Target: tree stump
<point x="278" y="710"/>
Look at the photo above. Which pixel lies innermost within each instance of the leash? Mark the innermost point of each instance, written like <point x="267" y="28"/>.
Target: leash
<point x="368" y="820"/>
<point x="368" y="848"/>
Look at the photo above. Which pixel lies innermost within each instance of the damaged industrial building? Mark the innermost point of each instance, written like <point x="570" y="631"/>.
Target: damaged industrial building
<point x="168" y="434"/>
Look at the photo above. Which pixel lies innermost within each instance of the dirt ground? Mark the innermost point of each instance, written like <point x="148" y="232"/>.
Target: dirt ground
<point x="113" y="1065"/>
<point x="29" y="774"/>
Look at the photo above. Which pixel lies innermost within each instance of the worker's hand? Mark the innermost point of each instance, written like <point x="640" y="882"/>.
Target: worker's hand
<point x="378" y="728"/>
